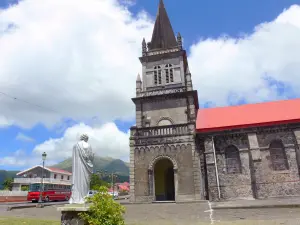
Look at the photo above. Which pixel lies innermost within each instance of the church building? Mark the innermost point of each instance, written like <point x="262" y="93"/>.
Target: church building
<point x="181" y="152"/>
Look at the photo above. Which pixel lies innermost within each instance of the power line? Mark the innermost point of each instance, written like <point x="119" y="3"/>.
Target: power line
<point x="27" y="102"/>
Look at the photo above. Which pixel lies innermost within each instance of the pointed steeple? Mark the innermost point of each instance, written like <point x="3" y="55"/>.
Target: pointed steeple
<point x="163" y="35"/>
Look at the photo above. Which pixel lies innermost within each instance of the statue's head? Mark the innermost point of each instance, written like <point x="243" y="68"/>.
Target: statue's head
<point x="84" y="137"/>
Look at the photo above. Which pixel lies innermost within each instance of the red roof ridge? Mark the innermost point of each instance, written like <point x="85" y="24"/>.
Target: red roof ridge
<point x="252" y="104"/>
<point x="54" y="169"/>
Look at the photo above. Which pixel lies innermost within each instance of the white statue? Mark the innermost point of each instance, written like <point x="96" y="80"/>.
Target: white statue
<point x="82" y="169"/>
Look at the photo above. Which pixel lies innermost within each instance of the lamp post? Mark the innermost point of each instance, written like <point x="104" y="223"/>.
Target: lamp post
<point x="112" y="176"/>
<point x="44" y="155"/>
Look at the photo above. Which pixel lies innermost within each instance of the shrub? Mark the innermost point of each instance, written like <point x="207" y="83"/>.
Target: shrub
<point x="103" y="210"/>
<point x="25" y="188"/>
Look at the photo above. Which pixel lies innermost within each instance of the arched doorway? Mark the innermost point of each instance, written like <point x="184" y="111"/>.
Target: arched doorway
<point x="164" y="180"/>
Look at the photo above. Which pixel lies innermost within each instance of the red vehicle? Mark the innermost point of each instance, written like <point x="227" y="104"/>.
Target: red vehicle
<point x="52" y="192"/>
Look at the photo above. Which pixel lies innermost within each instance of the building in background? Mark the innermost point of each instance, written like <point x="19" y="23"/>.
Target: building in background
<point x="34" y="175"/>
<point x="179" y="152"/>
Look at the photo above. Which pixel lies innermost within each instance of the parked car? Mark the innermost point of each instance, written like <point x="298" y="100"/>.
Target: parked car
<point x="114" y="194"/>
<point x="91" y="193"/>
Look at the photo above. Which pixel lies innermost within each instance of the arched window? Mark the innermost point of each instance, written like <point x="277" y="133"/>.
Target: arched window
<point x="278" y="156"/>
<point x="233" y="161"/>
<point x="169" y="73"/>
<point x="157" y="75"/>
<point x="164" y="122"/>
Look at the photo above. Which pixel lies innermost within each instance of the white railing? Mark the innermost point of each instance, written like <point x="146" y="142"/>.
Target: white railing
<point x="13" y="193"/>
<point x="38" y="180"/>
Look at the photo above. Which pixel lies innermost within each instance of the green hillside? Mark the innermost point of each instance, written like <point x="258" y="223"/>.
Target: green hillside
<point x="103" y="164"/>
<point x="4" y="174"/>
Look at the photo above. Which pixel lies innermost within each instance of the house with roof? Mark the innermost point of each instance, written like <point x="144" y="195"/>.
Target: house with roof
<point x="181" y="152"/>
<point x="34" y="175"/>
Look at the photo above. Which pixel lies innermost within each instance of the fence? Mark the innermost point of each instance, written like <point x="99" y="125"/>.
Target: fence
<point x="13" y="193"/>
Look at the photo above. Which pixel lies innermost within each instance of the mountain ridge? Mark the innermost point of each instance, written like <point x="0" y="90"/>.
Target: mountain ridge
<point x="107" y="164"/>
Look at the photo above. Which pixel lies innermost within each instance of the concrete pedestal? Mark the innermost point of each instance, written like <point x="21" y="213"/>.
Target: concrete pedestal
<point x="69" y="214"/>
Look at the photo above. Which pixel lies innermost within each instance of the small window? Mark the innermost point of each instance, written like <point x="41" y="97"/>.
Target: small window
<point x="62" y="177"/>
<point x="55" y="176"/>
<point x="233" y="161"/>
<point x="278" y="156"/>
<point x="157" y="75"/>
<point x="68" y="178"/>
<point x="169" y="73"/>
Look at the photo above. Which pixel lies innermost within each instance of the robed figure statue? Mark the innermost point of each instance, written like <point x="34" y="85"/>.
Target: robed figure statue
<point x="82" y="169"/>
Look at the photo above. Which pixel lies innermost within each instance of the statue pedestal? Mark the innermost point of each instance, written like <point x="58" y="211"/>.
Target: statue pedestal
<point x="69" y="213"/>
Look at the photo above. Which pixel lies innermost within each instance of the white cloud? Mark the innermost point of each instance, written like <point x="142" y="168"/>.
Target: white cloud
<point x="106" y="140"/>
<point x="79" y="58"/>
<point x="227" y="70"/>
<point x="22" y="137"/>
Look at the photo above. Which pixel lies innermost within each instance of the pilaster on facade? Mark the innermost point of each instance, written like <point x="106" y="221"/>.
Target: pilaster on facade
<point x="131" y="166"/>
<point x="198" y="184"/>
<point x="297" y="135"/>
<point x="254" y="147"/>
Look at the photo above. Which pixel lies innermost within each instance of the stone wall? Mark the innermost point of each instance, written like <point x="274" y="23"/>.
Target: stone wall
<point x="271" y="183"/>
<point x="257" y="179"/>
<point x="181" y="156"/>
<point x="174" y="109"/>
<point x="232" y="185"/>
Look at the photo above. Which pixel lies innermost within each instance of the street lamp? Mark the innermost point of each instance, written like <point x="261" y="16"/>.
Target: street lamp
<point x="113" y="176"/>
<point x="44" y="155"/>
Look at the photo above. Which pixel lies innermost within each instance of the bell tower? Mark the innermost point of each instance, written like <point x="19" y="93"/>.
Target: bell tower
<point x="166" y="107"/>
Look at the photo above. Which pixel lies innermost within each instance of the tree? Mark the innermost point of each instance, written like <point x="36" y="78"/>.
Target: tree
<point x="96" y="182"/>
<point x="8" y="183"/>
<point x="103" y="210"/>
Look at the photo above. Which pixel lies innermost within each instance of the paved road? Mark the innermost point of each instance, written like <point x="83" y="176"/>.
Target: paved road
<point x="178" y="214"/>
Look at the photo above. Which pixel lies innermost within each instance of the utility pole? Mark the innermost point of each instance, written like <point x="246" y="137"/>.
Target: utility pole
<point x="113" y="176"/>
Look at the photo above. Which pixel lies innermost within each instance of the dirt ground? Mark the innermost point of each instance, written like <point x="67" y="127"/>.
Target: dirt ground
<point x="180" y="214"/>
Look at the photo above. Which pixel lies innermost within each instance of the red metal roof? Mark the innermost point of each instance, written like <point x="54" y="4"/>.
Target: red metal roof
<point x="56" y="170"/>
<point x="249" y="115"/>
<point x="51" y="169"/>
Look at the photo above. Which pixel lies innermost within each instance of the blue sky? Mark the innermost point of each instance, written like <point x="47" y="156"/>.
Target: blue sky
<point x="195" y="20"/>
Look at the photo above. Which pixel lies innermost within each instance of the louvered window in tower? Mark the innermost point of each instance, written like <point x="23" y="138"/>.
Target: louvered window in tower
<point x="278" y="156"/>
<point x="157" y="75"/>
<point x="169" y="74"/>
<point x="233" y="161"/>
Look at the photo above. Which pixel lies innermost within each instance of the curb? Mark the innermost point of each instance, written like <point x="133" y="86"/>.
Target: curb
<point x="10" y="208"/>
<point x="257" y="206"/>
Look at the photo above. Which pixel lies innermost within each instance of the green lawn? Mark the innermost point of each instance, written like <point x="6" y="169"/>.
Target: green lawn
<point x="23" y="221"/>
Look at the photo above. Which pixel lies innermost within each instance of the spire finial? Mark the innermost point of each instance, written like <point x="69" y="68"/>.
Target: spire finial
<point x="179" y="40"/>
<point x="144" y="47"/>
<point x="138" y="78"/>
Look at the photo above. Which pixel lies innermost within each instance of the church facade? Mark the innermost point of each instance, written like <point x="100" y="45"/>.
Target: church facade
<point x="179" y="152"/>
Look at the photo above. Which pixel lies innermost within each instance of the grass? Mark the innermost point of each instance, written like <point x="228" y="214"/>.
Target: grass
<point x="25" y="221"/>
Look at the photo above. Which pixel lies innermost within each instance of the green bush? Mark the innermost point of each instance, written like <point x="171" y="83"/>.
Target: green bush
<point x="103" y="210"/>
<point x="25" y="188"/>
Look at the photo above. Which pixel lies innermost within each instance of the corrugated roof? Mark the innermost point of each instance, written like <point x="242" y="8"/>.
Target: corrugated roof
<point x="51" y="169"/>
<point x="249" y="115"/>
<point x="56" y="170"/>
